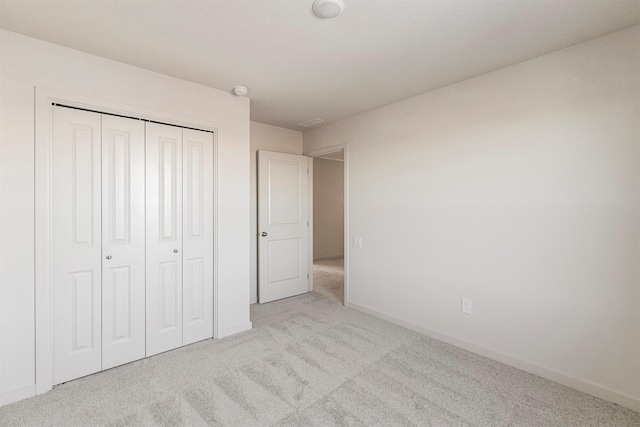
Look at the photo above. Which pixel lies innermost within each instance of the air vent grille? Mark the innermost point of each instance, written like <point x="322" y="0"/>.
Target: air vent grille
<point x="311" y="122"/>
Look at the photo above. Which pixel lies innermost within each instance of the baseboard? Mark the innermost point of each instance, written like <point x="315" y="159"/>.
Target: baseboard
<point x="234" y="330"/>
<point x="320" y="258"/>
<point x="18" y="394"/>
<point x="253" y="300"/>
<point x="524" y="365"/>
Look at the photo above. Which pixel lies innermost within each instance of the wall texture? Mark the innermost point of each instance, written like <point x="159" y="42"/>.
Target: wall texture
<point x="520" y="190"/>
<point x="328" y="208"/>
<point x="27" y="63"/>
<point x="268" y="138"/>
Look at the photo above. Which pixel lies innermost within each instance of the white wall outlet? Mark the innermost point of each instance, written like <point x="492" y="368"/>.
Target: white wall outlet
<point x="357" y="242"/>
<point x="466" y="305"/>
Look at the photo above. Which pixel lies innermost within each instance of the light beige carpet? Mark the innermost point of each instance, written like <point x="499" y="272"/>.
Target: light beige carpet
<point x="309" y="361"/>
<point x="328" y="278"/>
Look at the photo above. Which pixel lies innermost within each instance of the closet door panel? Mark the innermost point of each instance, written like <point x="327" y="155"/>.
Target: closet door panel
<point x="123" y="241"/>
<point x="164" y="237"/>
<point x="76" y="244"/>
<point x="198" y="235"/>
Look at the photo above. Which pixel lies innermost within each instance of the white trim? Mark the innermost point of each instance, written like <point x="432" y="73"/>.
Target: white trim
<point x="227" y="332"/>
<point x="253" y="300"/>
<point x="17" y="394"/>
<point x="43" y="99"/>
<point x="345" y="149"/>
<point x="524" y="365"/>
<point x="216" y="135"/>
<point x="1" y="240"/>
<point x="310" y="227"/>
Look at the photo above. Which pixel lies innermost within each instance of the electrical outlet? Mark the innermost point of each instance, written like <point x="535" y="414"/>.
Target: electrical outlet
<point x="357" y="242"/>
<point x="466" y="305"/>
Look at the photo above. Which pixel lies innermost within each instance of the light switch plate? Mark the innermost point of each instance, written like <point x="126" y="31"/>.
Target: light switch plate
<point x="466" y="305"/>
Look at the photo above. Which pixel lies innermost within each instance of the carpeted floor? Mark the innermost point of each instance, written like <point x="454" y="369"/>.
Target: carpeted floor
<point x="328" y="278"/>
<point x="309" y="361"/>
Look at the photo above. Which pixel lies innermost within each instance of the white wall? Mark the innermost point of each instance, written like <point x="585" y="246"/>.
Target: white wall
<point x="520" y="190"/>
<point x="328" y="208"/>
<point x="26" y="63"/>
<point x="268" y="138"/>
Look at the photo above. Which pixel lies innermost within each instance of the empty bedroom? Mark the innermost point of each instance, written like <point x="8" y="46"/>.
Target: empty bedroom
<point x="319" y="213"/>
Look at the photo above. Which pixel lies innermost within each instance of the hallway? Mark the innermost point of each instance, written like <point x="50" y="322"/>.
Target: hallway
<point x="328" y="278"/>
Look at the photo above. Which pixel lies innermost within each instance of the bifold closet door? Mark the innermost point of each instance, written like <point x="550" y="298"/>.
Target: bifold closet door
<point x="76" y="244"/>
<point x="179" y="237"/>
<point x="123" y="240"/>
<point x="98" y="242"/>
<point x="197" y="235"/>
<point x="164" y="237"/>
<point x="132" y="248"/>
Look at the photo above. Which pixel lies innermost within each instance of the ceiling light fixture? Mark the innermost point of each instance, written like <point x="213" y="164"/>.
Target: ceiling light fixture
<point x="327" y="9"/>
<point x="240" y="90"/>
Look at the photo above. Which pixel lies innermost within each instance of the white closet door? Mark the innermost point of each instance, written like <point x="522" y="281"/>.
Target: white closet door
<point x="123" y="241"/>
<point x="164" y="237"/>
<point x="76" y="256"/>
<point x="197" y="236"/>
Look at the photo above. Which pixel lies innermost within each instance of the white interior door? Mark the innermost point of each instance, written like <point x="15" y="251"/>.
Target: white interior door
<point x="123" y="241"/>
<point x="164" y="237"/>
<point x="76" y="244"/>
<point x="197" y="255"/>
<point x="283" y="225"/>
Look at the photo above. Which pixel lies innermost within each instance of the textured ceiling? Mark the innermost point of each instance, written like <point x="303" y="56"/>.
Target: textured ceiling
<point x="297" y="66"/>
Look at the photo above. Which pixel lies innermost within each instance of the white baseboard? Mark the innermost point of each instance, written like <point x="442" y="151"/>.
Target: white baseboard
<point x="253" y="300"/>
<point x="234" y="330"/>
<point x="524" y="365"/>
<point x="18" y="394"/>
<point x="320" y="258"/>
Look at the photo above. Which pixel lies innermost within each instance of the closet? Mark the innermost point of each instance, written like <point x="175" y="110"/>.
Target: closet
<point x="132" y="240"/>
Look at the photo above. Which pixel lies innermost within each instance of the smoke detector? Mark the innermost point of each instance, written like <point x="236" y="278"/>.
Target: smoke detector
<point x="240" y="90"/>
<point x="327" y="9"/>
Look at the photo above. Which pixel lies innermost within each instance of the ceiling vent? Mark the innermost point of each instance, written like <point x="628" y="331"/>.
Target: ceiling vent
<point x="311" y="122"/>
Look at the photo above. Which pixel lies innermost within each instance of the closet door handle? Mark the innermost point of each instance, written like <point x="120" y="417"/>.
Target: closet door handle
<point x="175" y="251"/>
<point x="264" y="234"/>
<point x="108" y="256"/>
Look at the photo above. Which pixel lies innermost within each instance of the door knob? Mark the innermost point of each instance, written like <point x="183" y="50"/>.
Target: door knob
<point x="108" y="256"/>
<point x="264" y="234"/>
<point x="175" y="251"/>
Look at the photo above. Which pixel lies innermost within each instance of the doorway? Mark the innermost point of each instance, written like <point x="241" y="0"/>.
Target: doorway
<point x="329" y="225"/>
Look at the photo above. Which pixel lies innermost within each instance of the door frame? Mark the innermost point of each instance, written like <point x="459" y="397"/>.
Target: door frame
<point x="317" y="153"/>
<point x="44" y="98"/>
